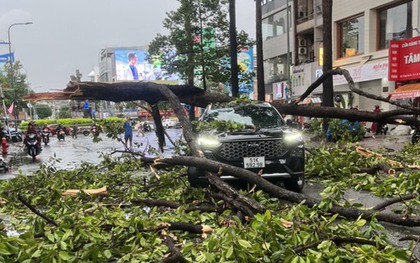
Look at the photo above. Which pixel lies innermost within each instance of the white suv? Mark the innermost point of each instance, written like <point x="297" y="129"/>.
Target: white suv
<point x="168" y="123"/>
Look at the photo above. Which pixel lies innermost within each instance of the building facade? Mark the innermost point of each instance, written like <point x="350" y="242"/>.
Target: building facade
<point x="362" y="31"/>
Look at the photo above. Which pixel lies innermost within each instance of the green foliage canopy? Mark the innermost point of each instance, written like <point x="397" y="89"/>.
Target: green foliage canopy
<point x="198" y="37"/>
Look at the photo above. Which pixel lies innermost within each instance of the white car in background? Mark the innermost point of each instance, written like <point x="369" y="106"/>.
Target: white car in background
<point x="168" y="123"/>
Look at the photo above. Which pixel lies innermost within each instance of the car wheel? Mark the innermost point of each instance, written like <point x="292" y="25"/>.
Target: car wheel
<point x="85" y="133"/>
<point x="295" y="184"/>
<point x="194" y="177"/>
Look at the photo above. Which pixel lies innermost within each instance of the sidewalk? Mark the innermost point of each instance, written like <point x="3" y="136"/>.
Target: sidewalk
<point x="394" y="142"/>
<point x="390" y="142"/>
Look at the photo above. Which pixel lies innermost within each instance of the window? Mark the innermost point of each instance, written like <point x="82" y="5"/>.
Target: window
<point x="275" y="69"/>
<point x="351" y="39"/>
<point x="275" y="25"/>
<point x="395" y="23"/>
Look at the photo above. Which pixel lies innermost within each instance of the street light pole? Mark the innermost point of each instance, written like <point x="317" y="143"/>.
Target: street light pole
<point x="12" y="80"/>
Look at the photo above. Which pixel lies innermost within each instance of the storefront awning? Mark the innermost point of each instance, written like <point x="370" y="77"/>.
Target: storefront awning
<point x="311" y="100"/>
<point x="406" y="91"/>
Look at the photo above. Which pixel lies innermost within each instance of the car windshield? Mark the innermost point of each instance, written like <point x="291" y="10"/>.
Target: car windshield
<point x="255" y="116"/>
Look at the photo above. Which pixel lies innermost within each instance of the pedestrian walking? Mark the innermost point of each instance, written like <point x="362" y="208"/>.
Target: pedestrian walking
<point x="139" y="128"/>
<point x="128" y="133"/>
<point x="74" y="131"/>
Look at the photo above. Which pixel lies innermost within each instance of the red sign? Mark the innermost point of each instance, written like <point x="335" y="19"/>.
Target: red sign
<point x="404" y="59"/>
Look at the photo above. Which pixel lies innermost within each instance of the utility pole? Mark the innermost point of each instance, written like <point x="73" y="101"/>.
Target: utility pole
<point x="233" y="49"/>
<point x="12" y="74"/>
<point x="260" y="59"/>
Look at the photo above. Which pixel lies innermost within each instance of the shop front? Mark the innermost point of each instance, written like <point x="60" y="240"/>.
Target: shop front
<point x="404" y="59"/>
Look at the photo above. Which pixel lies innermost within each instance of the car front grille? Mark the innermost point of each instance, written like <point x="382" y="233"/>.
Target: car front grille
<point x="237" y="150"/>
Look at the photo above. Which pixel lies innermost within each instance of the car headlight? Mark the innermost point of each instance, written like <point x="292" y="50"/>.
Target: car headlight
<point x="293" y="137"/>
<point x="208" y="142"/>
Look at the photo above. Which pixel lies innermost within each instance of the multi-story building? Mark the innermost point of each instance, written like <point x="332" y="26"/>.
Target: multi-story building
<point x="362" y="31"/>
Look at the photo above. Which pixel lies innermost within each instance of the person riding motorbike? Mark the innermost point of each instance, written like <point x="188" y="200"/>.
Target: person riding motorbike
<point x="45" y="133"/>
<point x="32" y="130"/>
<point x="58" y="131"/>
<point x="375" y="125"/>
<point x="95" y="129"/>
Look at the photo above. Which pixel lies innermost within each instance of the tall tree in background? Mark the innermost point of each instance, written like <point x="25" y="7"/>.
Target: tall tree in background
<point x="328" y="92"/>
<point x="198" y="42"/>
<point x="20" y="86"/>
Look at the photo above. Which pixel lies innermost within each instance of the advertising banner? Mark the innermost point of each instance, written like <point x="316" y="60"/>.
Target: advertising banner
<point x="246" y="67"/>
<point x="131" y="64"/>
<point x="404" y="59"/>
<point x="246" y="64"/>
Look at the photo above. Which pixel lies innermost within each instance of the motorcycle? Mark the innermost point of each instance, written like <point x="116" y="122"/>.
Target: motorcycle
<point x="61" y="135"/>
<point x="32" y="145"/>
<point x="382" y="129"/>
<point x="415" y="135"/>
<point x="147" y="127"/>
<point x="45" y="136"/>
<point x="13" y="135"/>
<point x="95" y="131"/>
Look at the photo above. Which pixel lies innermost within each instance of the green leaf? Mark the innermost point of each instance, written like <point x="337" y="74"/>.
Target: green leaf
<point x="244" y="243"/>
<point x="229" y="252"/>
<point x="324" y="245"/>
<point x="107" y="254"/>
<point x="209" y="256"/>
<point x="64" y="255"/>
<point x="50" y="236"/>
<point x="361" y="222"/>
<point x="37" y="254"/>
<point x="267" y="215"/>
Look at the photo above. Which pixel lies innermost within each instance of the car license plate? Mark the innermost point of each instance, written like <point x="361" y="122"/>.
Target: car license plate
<point x="254" y="162"/>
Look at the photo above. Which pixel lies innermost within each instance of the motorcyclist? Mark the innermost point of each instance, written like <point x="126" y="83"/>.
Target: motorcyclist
<point x="46" y="129"/>
<point x="33" y="129"/>
<point x="374" y="126"/>
<point x="94" y="129"/>
<point x="59" y="129"/>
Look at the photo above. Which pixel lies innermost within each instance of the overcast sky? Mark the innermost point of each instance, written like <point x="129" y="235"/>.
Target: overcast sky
<point x="68" y="34"/>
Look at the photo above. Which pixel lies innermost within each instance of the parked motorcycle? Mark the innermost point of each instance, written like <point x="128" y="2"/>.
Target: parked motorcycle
<point x="13" y="135"/>
<point x="31" y="145"/>
<point x="45" y="136"/>
<point x="3" y="166"/>
<point x="415" y="135"/>
<point x="61" y="135"/>
<point x="382" y="129"/>
<point x="147" y="127"/>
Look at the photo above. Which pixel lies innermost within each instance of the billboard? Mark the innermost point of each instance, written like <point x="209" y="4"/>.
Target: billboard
<point x="132" y="64"/>
<point x="245" y="68"/>
<point x="404" y="59"/>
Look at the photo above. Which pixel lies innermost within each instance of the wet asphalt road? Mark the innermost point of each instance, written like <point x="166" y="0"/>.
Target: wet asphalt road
<point x="72" y="152"/>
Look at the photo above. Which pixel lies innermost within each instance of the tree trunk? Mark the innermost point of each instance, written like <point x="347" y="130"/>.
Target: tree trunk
<point x="328" y="91"/>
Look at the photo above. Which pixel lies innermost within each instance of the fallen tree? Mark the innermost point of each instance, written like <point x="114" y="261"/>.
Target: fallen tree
<point x="152" y="93"/>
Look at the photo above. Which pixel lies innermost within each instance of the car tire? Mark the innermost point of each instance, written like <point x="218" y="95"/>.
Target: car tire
<point x="295" y="184"/>
<point x="194" y="177"/>
<point x="85" y="133"/>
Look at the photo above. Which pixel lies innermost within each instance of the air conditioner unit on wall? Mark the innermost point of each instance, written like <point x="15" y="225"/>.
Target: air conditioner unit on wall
<point x="302" y="42"/>
<point x="303" y="51"/>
